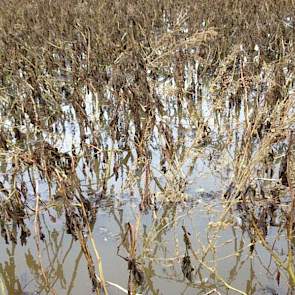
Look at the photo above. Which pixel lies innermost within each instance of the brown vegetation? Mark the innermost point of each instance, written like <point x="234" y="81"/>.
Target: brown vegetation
<point x="129" y="74"/>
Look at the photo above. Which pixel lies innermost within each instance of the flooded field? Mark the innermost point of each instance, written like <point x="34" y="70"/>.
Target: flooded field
<point x="147" y="148"/>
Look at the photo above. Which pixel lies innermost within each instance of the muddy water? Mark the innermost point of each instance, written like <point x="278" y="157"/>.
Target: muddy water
<point x="161" y="249"/>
